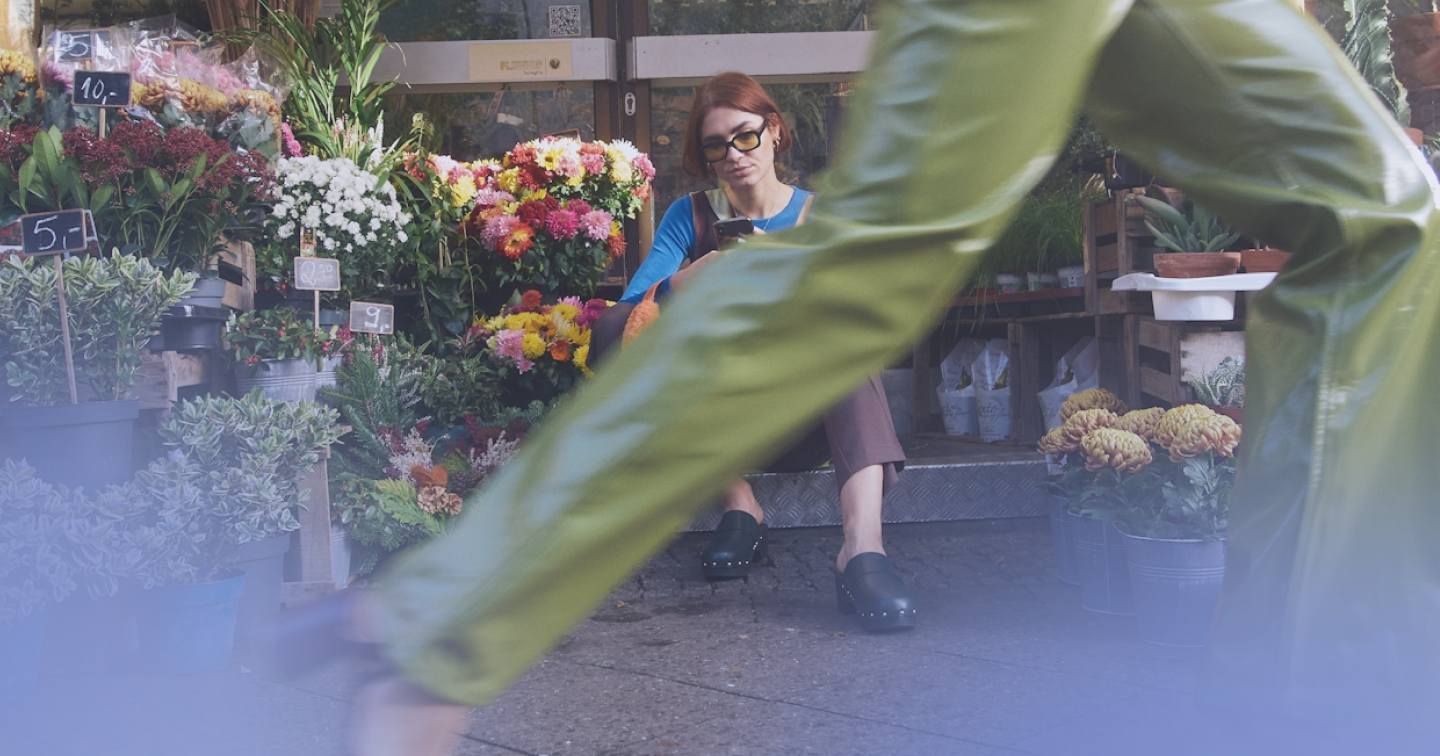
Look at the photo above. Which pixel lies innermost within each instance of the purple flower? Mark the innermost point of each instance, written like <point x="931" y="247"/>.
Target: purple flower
<point x="497" y="229"/>
<point x="510" y="344"/>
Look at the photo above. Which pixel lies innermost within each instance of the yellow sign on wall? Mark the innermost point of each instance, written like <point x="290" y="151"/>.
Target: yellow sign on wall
<point x="520" y="62"/>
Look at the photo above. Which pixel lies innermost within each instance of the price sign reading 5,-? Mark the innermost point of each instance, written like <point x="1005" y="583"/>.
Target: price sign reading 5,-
<point x="369" y="317"/>
<point x="105" y="89"/>
<point x="317" y="274"/>
<point x="53" y="233"/>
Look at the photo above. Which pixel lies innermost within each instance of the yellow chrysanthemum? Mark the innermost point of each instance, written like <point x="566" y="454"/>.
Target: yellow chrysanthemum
<point x="531" y="322"/>
<point x="1216" y="433"/>
<point x="581" y="354"/>
<point x="200" y="98"/>
<point x="496" y="323"/>
<point x="1054" y="442"/>
<point x="620" y="170"/>
<point x="1096" y="398"/>
<point x="1083" y="422"/>
<point x="463" y="190"/>
<point x="256" y="101"/>
<point x="1141" y="422"/>
<point x="1177" y="418"/>
<point x="12" y="62"/>
<point x="575" y="181"/>
<point x="567" y="311"/>
<point x="533" y="345"/>
<point x="509" y="180"/>
<point x="1109" y="447"/>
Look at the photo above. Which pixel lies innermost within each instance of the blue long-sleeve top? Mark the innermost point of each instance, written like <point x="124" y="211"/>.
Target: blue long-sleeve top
<point x="676" y="235"/>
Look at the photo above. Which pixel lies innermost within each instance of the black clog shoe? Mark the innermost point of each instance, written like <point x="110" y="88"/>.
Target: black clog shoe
<point x="738" y="543"/>
<point x="871" y="588"/>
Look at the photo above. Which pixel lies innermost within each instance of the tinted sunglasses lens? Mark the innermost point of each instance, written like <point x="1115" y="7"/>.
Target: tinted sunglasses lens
<point x="747" y="141"/>
<point x="714" y="153"/>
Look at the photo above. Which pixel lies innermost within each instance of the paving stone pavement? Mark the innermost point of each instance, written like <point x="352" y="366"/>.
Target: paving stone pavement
<point x="1004" y="661"/>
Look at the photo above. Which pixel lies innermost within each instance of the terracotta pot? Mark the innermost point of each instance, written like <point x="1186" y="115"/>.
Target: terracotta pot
<point x="1234" y="413"/>
<point x="1196" y="264"/>
<point x="1265" y="260"/>
<point x="1416" y="135"/>
<point x="1415" y="42"/>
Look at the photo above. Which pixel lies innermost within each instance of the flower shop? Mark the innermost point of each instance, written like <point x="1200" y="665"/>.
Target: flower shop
<point x="268" y="315"/>
<point x="254" y="341"/>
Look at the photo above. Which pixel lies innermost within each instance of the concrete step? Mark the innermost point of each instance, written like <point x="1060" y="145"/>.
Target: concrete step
<point x="944" y="479"/>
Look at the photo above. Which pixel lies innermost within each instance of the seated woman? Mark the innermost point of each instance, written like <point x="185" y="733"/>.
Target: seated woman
<point x="734" y="133"/>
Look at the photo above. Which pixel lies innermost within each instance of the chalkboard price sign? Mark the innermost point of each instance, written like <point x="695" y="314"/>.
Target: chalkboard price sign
<point x="53" y="233"/>
<point x="369" y="317"/>
<point x="77" y="46"/>
<point x="317" y="274"/>
<point x="106" y="89"/>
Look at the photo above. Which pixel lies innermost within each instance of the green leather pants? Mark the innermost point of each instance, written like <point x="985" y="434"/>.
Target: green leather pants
<point x="1333" y="575"/>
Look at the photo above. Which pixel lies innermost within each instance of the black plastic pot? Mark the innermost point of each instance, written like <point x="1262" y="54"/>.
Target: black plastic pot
<point x="87" y="444"/>
<point x="193" y="327"/>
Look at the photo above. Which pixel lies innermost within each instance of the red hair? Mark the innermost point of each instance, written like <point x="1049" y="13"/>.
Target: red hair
<point x="731" y="89"/>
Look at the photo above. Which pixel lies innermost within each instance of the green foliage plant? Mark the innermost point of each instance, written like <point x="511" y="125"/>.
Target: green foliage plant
<point x="1189" y="228"/>
<point x="1367" y="45"/>
<point x="34" y="566"/>
<point x="113" y="304"/>
<point x="232" y="477"/>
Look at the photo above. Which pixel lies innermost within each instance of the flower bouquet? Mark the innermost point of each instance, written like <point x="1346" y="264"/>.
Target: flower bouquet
<point x="19" y="89"/>
<point x="354" y="217"/>
<point x="548" y="214"/>
<point x="542" y="348"/>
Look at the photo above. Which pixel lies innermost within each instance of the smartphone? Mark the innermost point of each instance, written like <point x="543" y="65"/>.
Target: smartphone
<point x="734" y="228"/>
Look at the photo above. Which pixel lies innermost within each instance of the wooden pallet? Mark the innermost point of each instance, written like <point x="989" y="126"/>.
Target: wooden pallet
<point x="1116" y="244"/>
<point x="161" y="376"/>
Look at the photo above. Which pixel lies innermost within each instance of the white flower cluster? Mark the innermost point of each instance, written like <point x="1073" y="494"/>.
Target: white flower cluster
<point x="339" y="202"/>
<point x="415" y="450"/>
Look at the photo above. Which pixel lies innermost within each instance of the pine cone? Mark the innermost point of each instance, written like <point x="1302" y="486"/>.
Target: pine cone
<point x="1178" y="418"/>
<point x="1141" y="422"/>
<point x="1122" y="450"/>
<point x="1083" y="422"/>
<point x="462" y="483"/>
<point x="1096" y="398"/>
<point x="435" y="500"/>
<point x="1217" y="433"/>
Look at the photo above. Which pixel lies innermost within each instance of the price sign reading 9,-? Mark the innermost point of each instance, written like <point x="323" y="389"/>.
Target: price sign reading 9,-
<point x="104" y="89"/>
<point x="317" y="274"/>
<point x="370" y="317"/>
<point x="54" y="232"/>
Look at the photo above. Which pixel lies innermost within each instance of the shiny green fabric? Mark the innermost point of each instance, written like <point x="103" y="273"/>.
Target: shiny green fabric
<point x="1244" y="104"/>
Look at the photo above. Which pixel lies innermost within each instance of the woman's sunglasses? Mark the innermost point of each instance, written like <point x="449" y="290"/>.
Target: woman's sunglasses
<point x="745" y="141"/>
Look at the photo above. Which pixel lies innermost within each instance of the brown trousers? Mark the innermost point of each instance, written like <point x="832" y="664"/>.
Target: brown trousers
<point x="853" y="435"/>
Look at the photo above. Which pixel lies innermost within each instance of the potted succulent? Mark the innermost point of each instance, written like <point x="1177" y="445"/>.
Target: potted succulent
<point x="1197" y="237"/>
<point x="277" y="351"/>
<point x="212" y="518"/>
<point x="1221" y="389"/>
<point x="113" y="306"/>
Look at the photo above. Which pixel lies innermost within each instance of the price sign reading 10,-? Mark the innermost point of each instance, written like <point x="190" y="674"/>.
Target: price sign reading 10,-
<point x="104" y="89"/>
<point x="370" y="317"/>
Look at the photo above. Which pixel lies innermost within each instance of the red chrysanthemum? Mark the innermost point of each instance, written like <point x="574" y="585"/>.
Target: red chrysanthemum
<point x="518" y="242"/>
<point x="615" y="245"/>
<point x="529" y="300"/>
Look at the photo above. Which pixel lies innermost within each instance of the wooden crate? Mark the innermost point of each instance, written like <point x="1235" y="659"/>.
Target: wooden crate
<point x="1035" y="344"/>
<point x="242" y="256"/>
<point x="161" y="376"/>
<point x="1143" y="360"/>
<point x="1116" y="244"/>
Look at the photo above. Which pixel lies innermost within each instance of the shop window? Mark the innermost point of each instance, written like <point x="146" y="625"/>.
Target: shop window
<point x="488" y="124"/>
<point x="759" y="16"/>
<point x="444" y="20"/>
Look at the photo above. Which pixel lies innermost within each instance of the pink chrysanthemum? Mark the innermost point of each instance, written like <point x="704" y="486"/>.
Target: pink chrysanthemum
<point x="596" y="224"/>
<point x="562" y="224"/>
<point x="593" y="164"/>
<point x="497" y="229"/>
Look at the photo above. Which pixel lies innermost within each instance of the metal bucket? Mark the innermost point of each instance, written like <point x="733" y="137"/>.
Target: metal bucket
<point x="1104" y="571"/>
<point x="280" y="380"/>
<point x="1065" y="565"/>
<point x="1176" y="585"/>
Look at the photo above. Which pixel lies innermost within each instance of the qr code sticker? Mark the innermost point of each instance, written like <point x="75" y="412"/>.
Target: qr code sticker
<point x="564" y="20"/>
